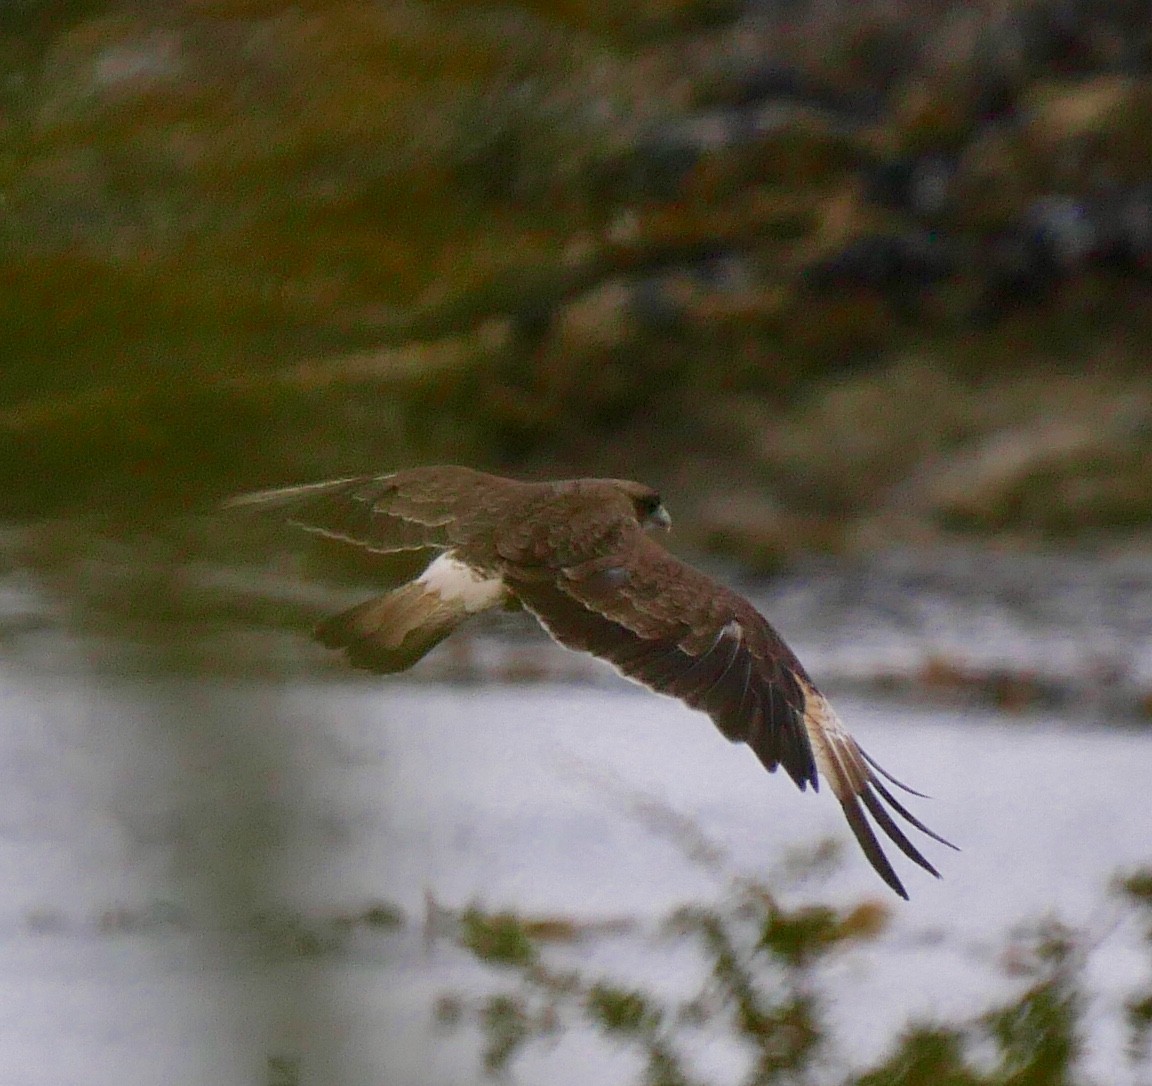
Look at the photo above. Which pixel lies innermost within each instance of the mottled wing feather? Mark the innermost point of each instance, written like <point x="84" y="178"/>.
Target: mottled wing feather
<point x="407" y="510"/>
<point x="683" y="634"/>
<point x="371" y="517"/>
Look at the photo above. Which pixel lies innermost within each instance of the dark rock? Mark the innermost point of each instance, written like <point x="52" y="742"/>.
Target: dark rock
<point x="771" y="84"/>
<point x="1063" y="232"/>
<point x="656" y="168"/>
<point x="1126" y="218"/>
<point x="900" y="267"/>
<point x="1058" y="238"/>
<point x="754" y="85"/>
<point x="918" y="185"/>
<point x="654" y="308"/>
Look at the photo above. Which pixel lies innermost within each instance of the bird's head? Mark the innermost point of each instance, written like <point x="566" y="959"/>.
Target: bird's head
<point x="650" y="511"/>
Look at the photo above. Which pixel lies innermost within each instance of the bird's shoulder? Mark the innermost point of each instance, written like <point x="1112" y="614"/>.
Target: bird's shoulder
<point x="559" y="525"/>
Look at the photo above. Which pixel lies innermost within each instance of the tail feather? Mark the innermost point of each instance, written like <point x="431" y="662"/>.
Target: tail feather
<point x="390" y="633"/>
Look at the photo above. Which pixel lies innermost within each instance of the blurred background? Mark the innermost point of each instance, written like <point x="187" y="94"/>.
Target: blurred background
<point x="865" y="289"/>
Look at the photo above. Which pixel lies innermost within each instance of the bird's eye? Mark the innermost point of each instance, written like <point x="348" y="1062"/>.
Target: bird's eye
<point x="650" y="504"/>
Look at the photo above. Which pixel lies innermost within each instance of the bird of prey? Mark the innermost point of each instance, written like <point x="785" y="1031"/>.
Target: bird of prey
<point x="576" y="554"/>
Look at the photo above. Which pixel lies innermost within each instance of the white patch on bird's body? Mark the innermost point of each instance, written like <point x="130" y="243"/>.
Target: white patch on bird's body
<point x="732" y="629"/>
<point x="459" y="583"/>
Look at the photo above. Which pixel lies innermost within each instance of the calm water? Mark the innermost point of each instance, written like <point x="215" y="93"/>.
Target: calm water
<point x="143" y="821"/>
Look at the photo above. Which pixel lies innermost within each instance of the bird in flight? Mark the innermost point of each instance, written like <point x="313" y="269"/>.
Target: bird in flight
<point x="577" y="555"/>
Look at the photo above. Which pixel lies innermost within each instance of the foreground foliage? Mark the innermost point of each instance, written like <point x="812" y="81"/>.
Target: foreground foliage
<point x="763" y="973"/>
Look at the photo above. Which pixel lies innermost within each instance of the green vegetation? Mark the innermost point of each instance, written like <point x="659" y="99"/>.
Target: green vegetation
<point x="762" y="967"/>
<point x="762" y="987"/>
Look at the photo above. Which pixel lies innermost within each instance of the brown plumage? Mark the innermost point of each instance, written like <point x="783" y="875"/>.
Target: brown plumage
<point x="576" y="555"/>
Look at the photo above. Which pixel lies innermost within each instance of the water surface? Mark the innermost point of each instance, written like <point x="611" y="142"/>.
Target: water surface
<point x="193" y="803"/>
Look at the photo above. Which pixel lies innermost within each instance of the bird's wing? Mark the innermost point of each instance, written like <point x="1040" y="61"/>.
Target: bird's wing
<point x="679" y="632"/>
<point x="405" y="511"/>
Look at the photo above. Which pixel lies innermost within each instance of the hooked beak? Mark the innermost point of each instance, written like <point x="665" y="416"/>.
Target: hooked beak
<point x="659" y="518"/>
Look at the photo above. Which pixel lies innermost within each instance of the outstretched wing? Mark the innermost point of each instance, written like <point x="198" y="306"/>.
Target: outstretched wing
<point x="679" y="632"/>
<point x="407" y="510"/>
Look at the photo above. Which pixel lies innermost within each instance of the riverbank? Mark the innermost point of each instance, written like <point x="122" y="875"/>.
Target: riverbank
<point x="837" y="277"/>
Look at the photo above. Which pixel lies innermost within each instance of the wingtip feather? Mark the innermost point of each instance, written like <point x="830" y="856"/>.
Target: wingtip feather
<point x="866" y="838"/>
<point x="888" y="776"/>
<point x="283" y="496"/>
